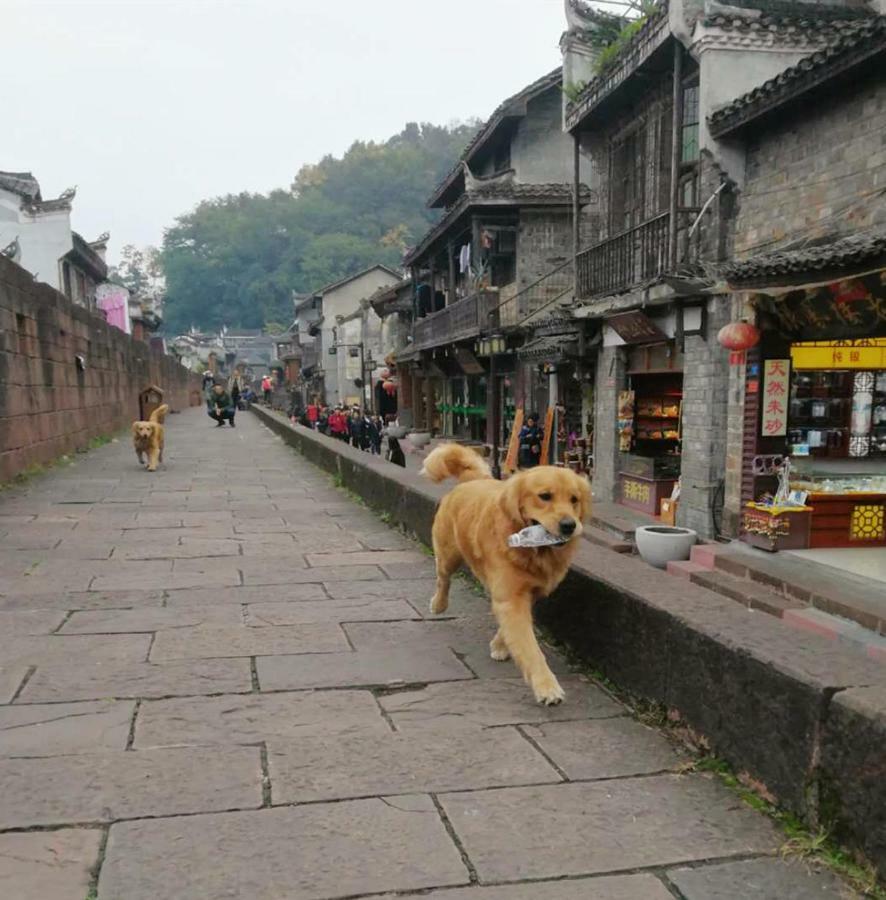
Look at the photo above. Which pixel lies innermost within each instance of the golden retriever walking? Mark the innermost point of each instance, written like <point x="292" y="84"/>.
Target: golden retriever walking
<point x="473" y="524"/>
<point x="147" y="437"/>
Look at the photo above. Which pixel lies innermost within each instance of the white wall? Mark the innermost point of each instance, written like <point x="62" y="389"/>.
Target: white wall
<point x="341" y="302"/>
<point x="44" y="238"/>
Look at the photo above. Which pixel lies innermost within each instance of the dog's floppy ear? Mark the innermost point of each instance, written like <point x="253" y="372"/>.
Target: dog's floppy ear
<point x="135" y="426"/>
<point x="510" y="500"/>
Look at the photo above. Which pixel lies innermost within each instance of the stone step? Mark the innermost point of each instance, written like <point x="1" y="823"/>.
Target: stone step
<point x="836" y="628"/>
<point x="705" y="555"/>
<point x="748" y="593"/>
<point x="606" y="539"/>
<point x="684" y="568"/>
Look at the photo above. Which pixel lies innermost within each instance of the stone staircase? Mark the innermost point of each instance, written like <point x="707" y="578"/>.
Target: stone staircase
<point x="716" y="567"/>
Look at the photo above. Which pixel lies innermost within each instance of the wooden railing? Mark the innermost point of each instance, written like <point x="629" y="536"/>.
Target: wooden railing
<point x="462" y="320"/>
<point x="633" y="257"/>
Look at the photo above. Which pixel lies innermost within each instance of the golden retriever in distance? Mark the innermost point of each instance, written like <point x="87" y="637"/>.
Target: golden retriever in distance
<point x="148" y="438"/>
<point x="472" y="525"/>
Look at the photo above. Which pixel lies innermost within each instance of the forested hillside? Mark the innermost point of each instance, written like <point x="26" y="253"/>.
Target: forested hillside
<point x="235" y="260"/>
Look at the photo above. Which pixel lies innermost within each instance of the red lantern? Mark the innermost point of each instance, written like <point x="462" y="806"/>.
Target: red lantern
<point x="738" y="337"/>
<point x="389" y="388"/>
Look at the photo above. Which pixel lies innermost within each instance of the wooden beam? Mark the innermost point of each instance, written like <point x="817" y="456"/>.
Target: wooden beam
<point x="676" y="152"/>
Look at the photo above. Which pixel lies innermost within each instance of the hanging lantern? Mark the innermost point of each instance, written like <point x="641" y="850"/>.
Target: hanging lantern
<point x="389" y="388"/>
<point x="738" y="337"/>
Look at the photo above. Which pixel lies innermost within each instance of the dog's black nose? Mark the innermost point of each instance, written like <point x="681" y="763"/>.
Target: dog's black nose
<point x="567" y="526"/>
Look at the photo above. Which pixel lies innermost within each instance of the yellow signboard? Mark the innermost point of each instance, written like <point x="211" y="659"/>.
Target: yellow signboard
<point x="862" y="354"/>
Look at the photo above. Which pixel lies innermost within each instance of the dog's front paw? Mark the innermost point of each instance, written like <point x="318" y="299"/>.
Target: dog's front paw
<point x="439" y="604"/>
<point x="499" y="655"/>
<point x="549" y="692"/>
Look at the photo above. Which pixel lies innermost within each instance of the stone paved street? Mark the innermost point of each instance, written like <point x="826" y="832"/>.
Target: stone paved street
<point x="219" y="680"/>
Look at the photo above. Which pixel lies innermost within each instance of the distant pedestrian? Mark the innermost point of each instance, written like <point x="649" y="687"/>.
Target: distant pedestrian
<point x="529" y="443"/>
<point x="395" y="453"/>
<point x="313" y="413"/>
<point x="266" y="388"/>
<point x="208" y="382"/>
<point x="234" y="389"/>
<point x="220" y="406"/>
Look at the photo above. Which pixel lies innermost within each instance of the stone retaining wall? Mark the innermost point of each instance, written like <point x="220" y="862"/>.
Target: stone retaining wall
<point x="49" y="406"/>
<point x="800" y="715"/>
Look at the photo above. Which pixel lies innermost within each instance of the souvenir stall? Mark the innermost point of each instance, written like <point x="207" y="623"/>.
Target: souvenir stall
<point x="816" y="398"/>
<point x="649" y="426"/>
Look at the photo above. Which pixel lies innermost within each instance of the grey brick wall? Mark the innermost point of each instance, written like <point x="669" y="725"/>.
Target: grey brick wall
<point x="705" y="404"/>
<point x="544" y="241"/>
<point x="610" y="376"/>
<point x="815" y="171"/>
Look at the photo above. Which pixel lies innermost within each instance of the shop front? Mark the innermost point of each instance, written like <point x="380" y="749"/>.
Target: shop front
<point x="815" y="400"/>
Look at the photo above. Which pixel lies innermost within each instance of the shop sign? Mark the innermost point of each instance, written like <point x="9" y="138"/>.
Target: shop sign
<point x="774" y="400"/>
<point x="863" y="354"/>
<point x="638" y="491"/>
<point x="636" y="328"/>
<point x="853" y="308"/>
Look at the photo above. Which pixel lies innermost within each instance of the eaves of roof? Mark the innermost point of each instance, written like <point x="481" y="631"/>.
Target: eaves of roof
<point x="859" y="42"/>
<point x="328" y="288"/>
<point x="502" y="195"/>
<point x="513" y="106"/>
<point x="654" y="32"/>
<point x="842" y="256"/>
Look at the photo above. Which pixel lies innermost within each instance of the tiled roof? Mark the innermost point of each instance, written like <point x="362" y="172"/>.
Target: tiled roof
<point x="551" y="79"/>
<point x="22" y="183"/>
<point x="501" y="193"/>
<point x="850" y="252"/>
<point x="853" y="42"/>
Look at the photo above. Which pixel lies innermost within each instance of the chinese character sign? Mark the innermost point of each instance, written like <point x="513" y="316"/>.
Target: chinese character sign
<point x="776" y="386"/>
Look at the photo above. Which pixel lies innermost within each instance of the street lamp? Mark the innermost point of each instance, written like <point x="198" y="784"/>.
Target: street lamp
<point x="495" y="344"/>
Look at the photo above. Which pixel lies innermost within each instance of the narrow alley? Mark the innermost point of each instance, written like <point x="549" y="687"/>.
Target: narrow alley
<point x="220" y="680"/>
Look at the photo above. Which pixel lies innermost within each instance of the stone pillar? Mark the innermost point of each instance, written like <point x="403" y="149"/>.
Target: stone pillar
<point x="610" y="380"/>
<point x="705" y="393"/>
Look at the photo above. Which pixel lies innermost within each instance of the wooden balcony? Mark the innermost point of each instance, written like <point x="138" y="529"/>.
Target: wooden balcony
<point x="634" y="257"/>
<point x="460" y="321"/>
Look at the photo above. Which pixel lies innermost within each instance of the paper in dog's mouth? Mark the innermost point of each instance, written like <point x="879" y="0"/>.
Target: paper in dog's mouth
<point x="535" y="535"/>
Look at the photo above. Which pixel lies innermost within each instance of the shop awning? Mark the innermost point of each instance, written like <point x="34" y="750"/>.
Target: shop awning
<point x="550" y="348"/>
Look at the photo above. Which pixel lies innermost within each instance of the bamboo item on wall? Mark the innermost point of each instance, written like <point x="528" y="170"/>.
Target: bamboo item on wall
<point x="546" y="440"/>
<point x="514" y="442"/>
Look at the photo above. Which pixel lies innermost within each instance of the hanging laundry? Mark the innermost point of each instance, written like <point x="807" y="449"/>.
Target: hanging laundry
<point x="464" y="258"/>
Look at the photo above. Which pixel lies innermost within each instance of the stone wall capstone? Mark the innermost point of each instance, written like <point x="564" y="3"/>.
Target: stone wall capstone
<point x="49" y="405"/>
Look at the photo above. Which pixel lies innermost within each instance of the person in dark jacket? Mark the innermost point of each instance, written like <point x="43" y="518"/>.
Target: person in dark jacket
<point x="395" y="452"/>
<point x="220" y="406"/>
<point x="529" y="443"/>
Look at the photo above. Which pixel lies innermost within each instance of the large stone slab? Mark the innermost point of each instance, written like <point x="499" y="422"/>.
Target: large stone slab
<point x="48" y="865"/>
<point x="33" y="621"/>
<point x="371" y="668"/>
<point x="489" y="702"/>
<point x="605" y="748"/>
<point x="603" y="827"/>
<point x="123" y="621"/>
<point x="304" y="612"/>
<point x="64" y="599"/>
<point x="101" y="787"/>
<point x="329" y="539"/>
<point x="94" y="681"/>
<point x="367" y="558"/>
<point x="255" y="594"/>
<point x="316" y="768"/>
<point x="253" y="718"/>
<point x="187" y="549"/>
<point x="218" y="576"/>
<point x="212" y="641"/>
<point x="282" y="575"/>
<point x="58" y="728"/>
<point x="300" y="853"/>
<point x="385" y="590"/>
<point x="10" y="679"/>
<point x="760" y="879"/>
<point x="54" y="649"/>
<point x="620" y="887"/>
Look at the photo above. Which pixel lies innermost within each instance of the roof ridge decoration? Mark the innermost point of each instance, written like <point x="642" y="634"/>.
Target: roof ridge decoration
<point x="858" y="40"/>
<point x="540" y="85"/>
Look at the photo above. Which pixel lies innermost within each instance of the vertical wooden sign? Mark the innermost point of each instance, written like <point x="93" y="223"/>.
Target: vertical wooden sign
<point x="776" y="388"/>
<point x="514" y="442"/>
<point x="544" y="460"/>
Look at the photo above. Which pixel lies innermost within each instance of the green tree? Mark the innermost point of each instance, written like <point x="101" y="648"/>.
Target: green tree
<point x="236" y="260"/>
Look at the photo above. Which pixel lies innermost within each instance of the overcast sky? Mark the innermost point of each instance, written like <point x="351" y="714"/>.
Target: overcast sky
<point x="150" y="106"/>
